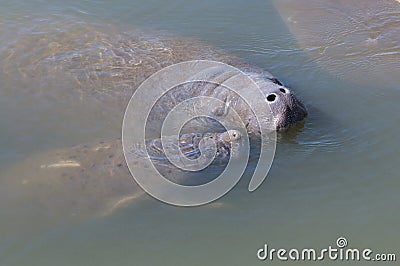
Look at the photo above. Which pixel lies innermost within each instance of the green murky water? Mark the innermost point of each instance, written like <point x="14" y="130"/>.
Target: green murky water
<point x="337" y="176"/>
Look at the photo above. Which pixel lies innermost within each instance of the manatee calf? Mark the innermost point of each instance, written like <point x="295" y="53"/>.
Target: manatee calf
<point x="93" y="179"/>
<point x="63" y="61"/>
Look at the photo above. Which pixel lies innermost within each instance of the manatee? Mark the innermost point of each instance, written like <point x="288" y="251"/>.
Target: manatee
<point x="354" y="40"/>
<point x="101" y="66"/>
<point x="286" y="109"/>
<point x="93" y="179"/>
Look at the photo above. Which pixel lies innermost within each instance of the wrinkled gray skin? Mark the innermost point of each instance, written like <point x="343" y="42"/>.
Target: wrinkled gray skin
<point x="104" y="66"/>
<point x="285" y="108"/>
<point x="189" y="145"/>
<point x="100" y="67"/>
<point x="93" y="179"/>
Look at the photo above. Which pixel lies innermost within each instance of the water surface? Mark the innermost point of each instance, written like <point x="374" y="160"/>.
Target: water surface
<point x="336" y="176"/>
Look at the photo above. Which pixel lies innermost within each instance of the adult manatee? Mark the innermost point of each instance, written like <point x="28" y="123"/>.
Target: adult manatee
<point x="100" y="66"/>
<point x="66" y="63"/>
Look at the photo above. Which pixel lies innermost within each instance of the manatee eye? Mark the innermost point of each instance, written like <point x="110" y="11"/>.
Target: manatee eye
<point x="276" y="81"/>
<point x="271" y="97"/>
<point x="234" y="135"/>
<point x="283" y="90"/>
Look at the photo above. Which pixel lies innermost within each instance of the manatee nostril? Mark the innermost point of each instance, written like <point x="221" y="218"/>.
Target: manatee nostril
<point x="271" y="97"/>
<point x="283" y="90"/>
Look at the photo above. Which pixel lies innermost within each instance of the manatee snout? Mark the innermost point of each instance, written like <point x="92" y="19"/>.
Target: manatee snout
<point x="286" y="108"/>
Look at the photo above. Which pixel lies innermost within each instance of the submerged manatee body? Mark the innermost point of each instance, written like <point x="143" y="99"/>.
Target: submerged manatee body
<point x="93" y="179"/>
<point x="354" y="40"/>
<point x="99" y="67"/>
